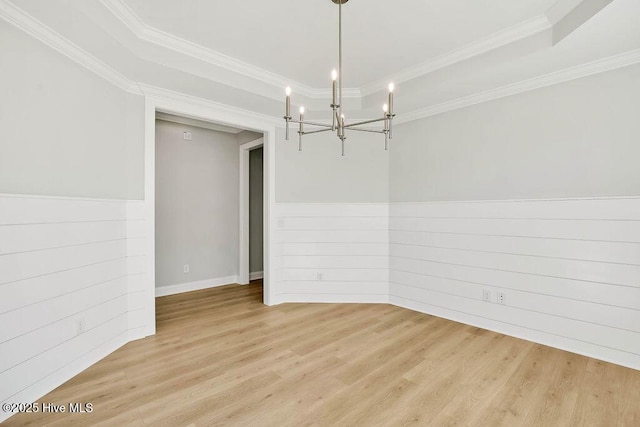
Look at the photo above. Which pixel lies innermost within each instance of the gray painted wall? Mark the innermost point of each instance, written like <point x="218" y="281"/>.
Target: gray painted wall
<point x="319" y="174"/>
<point x="196" y="204"/>
<point x="247" y="136"/>
<point x="255" y="210"/>
<point x="64" y="131"/>
<point x="575" y="139"/>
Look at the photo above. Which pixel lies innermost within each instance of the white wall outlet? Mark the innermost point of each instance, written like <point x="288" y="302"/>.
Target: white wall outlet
<point x="320" y="276"/>
<point x="186" y="268"/>
<point x="81" y="325"/>
<point x="486" y="295"/>
<point x="501" y="298"/>
<point x="187" y="136"/>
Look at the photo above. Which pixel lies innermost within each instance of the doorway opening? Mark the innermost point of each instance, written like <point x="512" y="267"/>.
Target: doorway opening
<point x="198" y="208"/>
<point x="252" y="222"/>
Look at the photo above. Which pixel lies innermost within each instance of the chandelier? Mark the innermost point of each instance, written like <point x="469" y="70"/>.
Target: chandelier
<point x="339" y="125"/>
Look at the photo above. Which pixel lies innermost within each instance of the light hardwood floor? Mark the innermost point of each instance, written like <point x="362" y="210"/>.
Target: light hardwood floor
<point x="220" y="357"/>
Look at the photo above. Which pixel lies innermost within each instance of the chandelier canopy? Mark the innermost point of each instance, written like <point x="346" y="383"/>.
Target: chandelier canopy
<point x="339" y="125"/>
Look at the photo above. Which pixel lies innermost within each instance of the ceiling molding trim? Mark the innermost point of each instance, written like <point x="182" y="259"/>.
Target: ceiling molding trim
<point x="161" y="38"/>
<point x="577" y="72"/>
<point x="25" y="22"/>
<point x="496" y="40"/>
<point x="178" y="97"/>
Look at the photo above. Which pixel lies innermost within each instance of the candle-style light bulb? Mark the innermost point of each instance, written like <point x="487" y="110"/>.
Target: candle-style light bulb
<point x="385" y="108"/>
<point x="334" y="91"/>
<point x="301" y="110"/>
<point x="287" y="110"/>
<point x="391" y="87"/>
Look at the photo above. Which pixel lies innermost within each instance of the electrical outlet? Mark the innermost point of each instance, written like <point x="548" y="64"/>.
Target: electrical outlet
<point x="501" y="299"/>
<point x="187" y="136"/>
<point x="81" y="325"/>
<point x="486" y="295"/>
<point x="320" y="276"/>
<point x="186" y="268"/>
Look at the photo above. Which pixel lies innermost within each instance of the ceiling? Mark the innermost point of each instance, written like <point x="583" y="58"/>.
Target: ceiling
<point x="299" y="39"/>
<point x="442" y="54"/>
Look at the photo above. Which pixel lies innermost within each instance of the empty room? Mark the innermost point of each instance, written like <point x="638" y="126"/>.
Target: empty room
<point x="320" y="212"/>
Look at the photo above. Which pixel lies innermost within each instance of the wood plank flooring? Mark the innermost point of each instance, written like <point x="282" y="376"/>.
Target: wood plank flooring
<point x="222" y="358"/>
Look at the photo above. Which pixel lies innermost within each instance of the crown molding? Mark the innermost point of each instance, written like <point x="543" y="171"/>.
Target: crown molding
<point x="161" y="38"/>
<point x="501" y="38"/>
<point x="595" y="67"/>
<point x="25" y="22"/>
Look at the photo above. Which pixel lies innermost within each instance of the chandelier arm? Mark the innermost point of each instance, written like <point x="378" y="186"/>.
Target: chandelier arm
<point x="316" y="131"/>
<point x="305" y="122"/>
<point x="366" y="122"/>
<point x="368" y="130"/>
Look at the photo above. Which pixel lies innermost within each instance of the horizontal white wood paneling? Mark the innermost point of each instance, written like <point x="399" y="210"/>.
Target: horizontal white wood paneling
<point x="32" y="291"/>
<point x="587" y="208"/>
<point x="344" y="274"/>
<point x="333" y="236"/>
<point x="620" y="296"/>
<point x="71" y="369"/>
<point x="332" y="210"/>
<point x="26" y="346"/>
<point x="343" y="261"/>
<point x="334" y="249"/>
<point x="348" y="223"/>
<point x="613" y="252"/>
<point x="63" y="260"/>
<point x="141" y="297"/>
<point x="32" y="237"/>
<point x="37" y="316"/>
<point x="593" y="271"/>
<point x="39" y="367"/>
<point x="569" y="269"/>
<point x="332" y="252"/>
<point x="587" y="229"/>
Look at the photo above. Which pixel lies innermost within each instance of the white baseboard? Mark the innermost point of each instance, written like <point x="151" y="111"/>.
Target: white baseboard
<point x="195" y="286"/>
<point x="331" y="298"/>
<point x="256" y="275"/>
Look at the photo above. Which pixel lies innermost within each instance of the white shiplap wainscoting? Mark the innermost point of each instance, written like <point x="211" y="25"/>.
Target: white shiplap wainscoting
<point x="569" y="270"/>
<point x="141" y="298"/>
<point x="70" y="289"/>
<point x="332" y="252"/>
